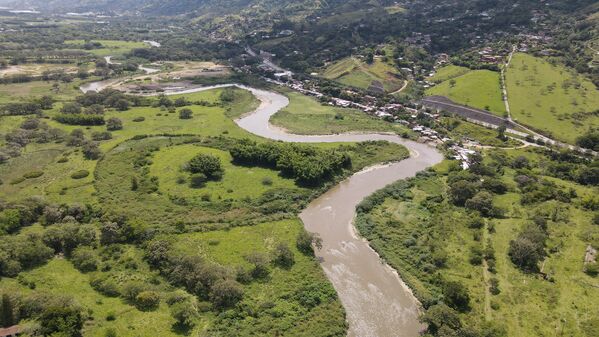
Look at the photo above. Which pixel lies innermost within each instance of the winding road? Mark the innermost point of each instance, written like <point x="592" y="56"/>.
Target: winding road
<point x="376" y="300"/>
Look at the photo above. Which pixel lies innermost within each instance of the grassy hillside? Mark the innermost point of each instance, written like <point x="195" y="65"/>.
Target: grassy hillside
<point x="305" y="115"/>
<point x="355" y="73"/>
<point x="552" y="99"/>
<point x="476" y="88"/>
<point x="447" y="73"/>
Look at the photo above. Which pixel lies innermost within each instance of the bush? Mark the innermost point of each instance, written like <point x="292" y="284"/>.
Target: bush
<point x="33" y="174"/>
<point x="99" y="136"/>
<point x="105" y="285"/>
<point x="131" y="289"/>
<point x="592" y="269"/>
<point x="114" y="124"/>
<point x="185" y="313"/>
<point x="80" y="119"/>
<point x="71" y="108"/>
<point x="147" y="300"/>
<point x="198" y="180"/>
<point x="85" y="259"/>
<point x="139" y="119"/>
<point x="80" y="174"/>
<point x="91" y="151"/>
<point x="185" y="114"/>
<point x="226" y="293"/>
<point x="267" y="181"/>
<point x="456" y="296"/>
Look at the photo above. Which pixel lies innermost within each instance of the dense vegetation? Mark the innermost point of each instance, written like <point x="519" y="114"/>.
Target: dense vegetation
<point x="504" y="228"/>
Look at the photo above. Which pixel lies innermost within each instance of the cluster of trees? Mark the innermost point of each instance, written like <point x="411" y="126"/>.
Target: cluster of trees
<point x="207" y="280"/>
<point x="30" y="131"/>
<point x="528" y="249"/>
<point x="53" y="315"/>
<point x="590" y="140"/>
<point x="91" y="151"/>
<point x="108" y="98"/>
<point x="474" y="189"/>
<point x="307" y="164"/>
<point x="34" y="107"/>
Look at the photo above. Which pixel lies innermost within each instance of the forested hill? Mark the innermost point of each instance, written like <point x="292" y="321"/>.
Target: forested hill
<point x="167" y="7"/>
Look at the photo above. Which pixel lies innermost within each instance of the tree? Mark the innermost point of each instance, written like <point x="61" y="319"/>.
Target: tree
<point x="206" y="164"/>
<point x="482" y="202"/>
<point x="452" y="83"/>
<point x="121" y="105"/>
<point x="305" y="240"/>
<point x="226" y="293"/>
<point x="64" y="321"/>
<point x="528" y="249"/>
<point x="114" y="124"/>
<point x="456" y="296"/>
<point x="7" y="312"/>
<point x="185" y="114"/>
<point x="440" y="316"/>
<point x="462" y="190"/>
<point x="501" y="132"/>
<point x="185" y="313"/>
<point x="283" y="256"/>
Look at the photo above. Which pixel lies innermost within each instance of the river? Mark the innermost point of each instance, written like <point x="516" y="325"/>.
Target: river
<point x="376" y="300"/>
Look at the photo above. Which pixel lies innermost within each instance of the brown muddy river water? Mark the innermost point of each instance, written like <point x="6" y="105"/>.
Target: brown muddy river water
<point x="377" y="302"/>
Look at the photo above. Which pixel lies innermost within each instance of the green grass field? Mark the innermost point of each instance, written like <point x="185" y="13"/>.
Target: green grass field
<point x="109" y="47"/>
<point x="355" y="73"/>
<point x="448" y="72"/>
<point x="237" y="183"/>
<point x="18" y="92"/>
<point x="551" y="99"/>
<point x="476" y="88"/>
<point x="305" y="115"/>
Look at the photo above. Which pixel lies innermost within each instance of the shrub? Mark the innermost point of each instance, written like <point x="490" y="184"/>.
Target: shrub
<point x="80" y="119"/>
<point x="99" y="136"/>
<point x="185" y="114"/>
<point x="226" y="293"/>
<point x="91" y="151"/>
<point x="283" y="256"/>
<point x="139" y="119"/>
<point x="85" y="259"/>
<point x="147" y="300"/>
<point x="267" y="181"/>
<point x="33" y="174"/>
<point x="592" y="269"/>
<point x="105" y="285"/>
<point x="185" y="313"/>
<point x="131" y="289"/>
<point x="198" y="180"/>
<point x="114" y="124"/>
<point x="80" y="174"/>
<point x="71" y="108"/>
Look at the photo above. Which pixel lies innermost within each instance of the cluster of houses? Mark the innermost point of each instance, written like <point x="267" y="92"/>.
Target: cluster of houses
<point x="389" y="111"/>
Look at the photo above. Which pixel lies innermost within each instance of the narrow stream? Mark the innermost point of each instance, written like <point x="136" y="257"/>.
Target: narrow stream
<point x="377" y="301"/>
